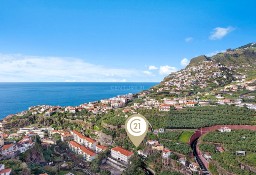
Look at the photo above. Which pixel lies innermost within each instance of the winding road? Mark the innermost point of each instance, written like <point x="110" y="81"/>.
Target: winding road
<point x="199" y="132"/>
<point x="198" y="159"/>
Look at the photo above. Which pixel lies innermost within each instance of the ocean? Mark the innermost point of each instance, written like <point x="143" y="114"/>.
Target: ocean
<point x="17" y="97"/>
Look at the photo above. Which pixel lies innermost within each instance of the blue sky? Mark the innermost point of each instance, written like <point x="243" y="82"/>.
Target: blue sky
<point x="99" y="40"/>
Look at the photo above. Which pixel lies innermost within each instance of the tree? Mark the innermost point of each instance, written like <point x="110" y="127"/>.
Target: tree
<point x="105" y="172"/>
<point x="135" y="166"/>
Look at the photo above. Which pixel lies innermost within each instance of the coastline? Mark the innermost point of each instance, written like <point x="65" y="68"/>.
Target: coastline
<point x="110" y="90"/>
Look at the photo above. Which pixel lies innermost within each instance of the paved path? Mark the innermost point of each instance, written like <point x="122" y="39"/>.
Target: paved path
<point x="198" y="159"/>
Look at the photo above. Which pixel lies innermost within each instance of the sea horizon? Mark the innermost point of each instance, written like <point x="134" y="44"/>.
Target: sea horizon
<point x="19" y="96"/>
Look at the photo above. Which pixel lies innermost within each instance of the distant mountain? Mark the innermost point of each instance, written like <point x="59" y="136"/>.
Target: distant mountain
<point x="207" y="73"/>
<point x="245" y="55"/>
<point x="198" y="60"/>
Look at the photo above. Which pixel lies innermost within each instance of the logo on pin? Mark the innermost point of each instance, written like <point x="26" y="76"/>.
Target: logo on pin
<point x="136" y="127"/>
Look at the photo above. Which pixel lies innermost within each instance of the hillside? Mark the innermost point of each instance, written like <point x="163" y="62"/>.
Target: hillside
<point x="204" y="74"/>
<point x="225" y="78"/>
<point x="217" y="90"/>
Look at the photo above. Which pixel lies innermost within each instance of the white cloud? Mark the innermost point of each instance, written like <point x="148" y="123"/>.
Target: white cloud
<point x="22" y="68"/>
<point x="189" y="39"/>
<point x="184" y="62"/>
<point x="165" y="70"/>
<point x="220" y="32"/>
<point x="152" y="68"/>
<point x="147" y="72"/>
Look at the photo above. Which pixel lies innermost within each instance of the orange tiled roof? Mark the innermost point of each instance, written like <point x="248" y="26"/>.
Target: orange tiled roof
<point x="122" y="151"/>
<point x="190" y="102"/>
<point x="102" y="147"/>
<point x="83" y="137"/>
<point x="65" y="134"/>
<point x="84" y="149"/>
<point x="5" y="135"/>
<point x="166" y="150"/>
<point x="7" y="146"/>
<point x="7" y="170"/>
<point x="167" y="105"/>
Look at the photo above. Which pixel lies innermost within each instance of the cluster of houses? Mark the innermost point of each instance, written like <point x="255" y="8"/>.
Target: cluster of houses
<point x="9" y="150"/>
<point x="85" y="146"/>
<point x="177" y="103"/>
<point x="193" y="76"/>
<point x="77" y="142"/>
<point x="155" y="146"/>
<point x="97" y="107"/>
<point x="163" y="105"/>
<point x="26" y="140"/>
<point x="88" y="147"/>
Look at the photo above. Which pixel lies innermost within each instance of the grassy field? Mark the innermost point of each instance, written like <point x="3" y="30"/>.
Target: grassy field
<point x="185" y="136"/>
<point x="250" y="159"/>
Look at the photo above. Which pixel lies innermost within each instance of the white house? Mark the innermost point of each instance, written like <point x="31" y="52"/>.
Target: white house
<point x="142" y="153"/>
<point x="166" y="153"/>
<point x="38" y="131"/>
<point x="70" y="109"/>
<point x="86" y="141"/>
<point x="5" y="171"/>
<point x="194" y="167"/>
<point x="87" y="154"/>
<point x="1" y="139"/>
<point x="170" y="102"/>
<point x="182" y="161"/>
<point x="9" y="149"/>
<point x="24" y="144"/>
<point x="224" y="129"/>
<point x="207" y="156"/>
<point x="121" y="154"/>
<point x="164" y="107"/>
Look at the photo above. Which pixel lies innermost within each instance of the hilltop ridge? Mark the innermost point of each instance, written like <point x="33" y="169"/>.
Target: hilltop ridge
<point x="206" y="73"/>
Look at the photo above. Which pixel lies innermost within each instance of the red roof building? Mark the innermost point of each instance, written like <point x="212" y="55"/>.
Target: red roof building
<point x="121" y="154"/>
<point x="5" y="171"/>
<point x="101" y="148"/>
<point x="88" y="154"/>
<point x="83" y="140"/>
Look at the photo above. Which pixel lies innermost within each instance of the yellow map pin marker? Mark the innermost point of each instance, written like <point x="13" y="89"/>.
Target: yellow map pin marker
<point x="136" y="127"/>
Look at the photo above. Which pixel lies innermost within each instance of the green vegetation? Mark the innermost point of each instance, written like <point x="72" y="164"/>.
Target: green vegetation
<point x="185" y="136"/>
<point x="213" y="169"/>
<point x="95" y="164"/>
<point x="197" y="117"/>
<point x="250" y="159"/>
<point x="171" y="135"/>
<point x="135" y="166"/>
<point x="177" y="147"/>
<point x="17" y="166"/>
<point x="154" y="161"/>
<point x="170" y="173"/>
<point x="237" y="140"/>
<point x="111" y="123"/>
<point x="205" y="147"/>
<point x="176" y="141"/>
